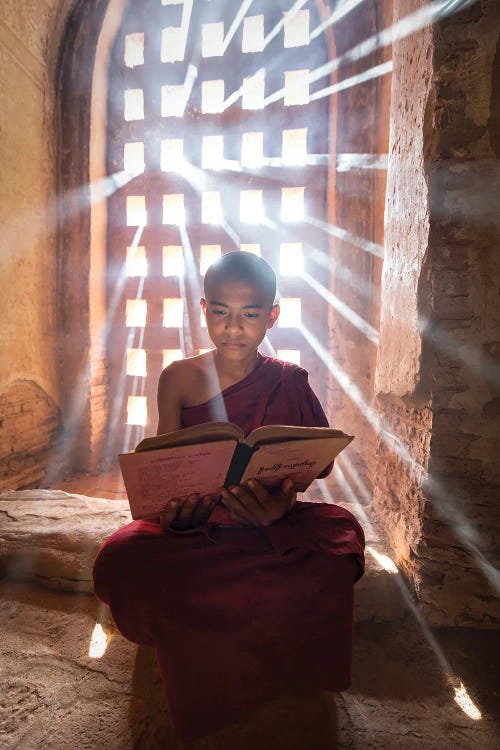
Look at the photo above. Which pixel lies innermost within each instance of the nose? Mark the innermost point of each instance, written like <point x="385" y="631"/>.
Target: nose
<point x="233" y="324"/>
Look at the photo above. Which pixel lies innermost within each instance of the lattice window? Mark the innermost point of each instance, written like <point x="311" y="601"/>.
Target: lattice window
<point x="212" y="124"/>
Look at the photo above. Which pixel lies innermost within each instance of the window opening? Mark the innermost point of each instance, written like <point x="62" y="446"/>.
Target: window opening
<point x="173" y="209"/>
<point x="133" y="104"/>
<point x="253" y="34"/>
<point x="292" y="204"/>
<point x="136" y="362"/>
<point x="136" y="263"/>
<point x="212" y="39"/>
<point x="172" y="45"/>
<point x="134" y="50"/>
<point x="136" y="210"/>
<point x="296" y="87"/>
<point x="251" y="206"/>
<point x="208" y="255"/>
<point x="296" y="28"/>
<point x="251" y="247"/>
<point x="253" y="90"/>
<point x="172" y="151"/>
<point x="173" y="260"/>
<point x="294" y="146"/>
<point x="291" y="259"/>
<point x="133" y="157"/>
<point x="212" y="96"/>
<point x="252" y="150"/>
<point x="291" y="312"/>
<point x="212" y="152"/>
<point x="136" y="313"/>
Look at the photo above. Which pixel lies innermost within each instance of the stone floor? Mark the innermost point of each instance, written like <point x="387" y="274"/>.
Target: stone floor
<point x="54" y="696"/>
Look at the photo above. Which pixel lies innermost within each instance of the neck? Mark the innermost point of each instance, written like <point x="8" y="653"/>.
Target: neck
<point x="232" y="372"/>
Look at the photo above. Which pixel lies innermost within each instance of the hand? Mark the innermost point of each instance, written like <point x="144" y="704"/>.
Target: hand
<point x="188" y="513"/>
<point x="251" y="504"/>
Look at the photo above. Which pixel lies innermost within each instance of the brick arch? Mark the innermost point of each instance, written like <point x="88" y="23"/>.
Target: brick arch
<point x="84" y="48"/>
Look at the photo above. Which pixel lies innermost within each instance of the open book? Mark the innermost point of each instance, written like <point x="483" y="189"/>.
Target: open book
<point x="208" y="456"/>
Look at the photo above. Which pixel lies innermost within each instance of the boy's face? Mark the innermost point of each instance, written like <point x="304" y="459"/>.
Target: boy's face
<point x="238" y="315"/>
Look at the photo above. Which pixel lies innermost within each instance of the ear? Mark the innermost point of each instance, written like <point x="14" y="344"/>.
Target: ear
<point x="273" y="316"/>
<point x="203" y="305"/>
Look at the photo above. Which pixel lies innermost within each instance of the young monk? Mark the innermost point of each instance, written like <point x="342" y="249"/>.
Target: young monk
<point x="248" y="596"/>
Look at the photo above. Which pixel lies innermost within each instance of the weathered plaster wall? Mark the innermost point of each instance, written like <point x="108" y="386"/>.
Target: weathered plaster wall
<point x="29" y="32"/>
<point x="437" y="370"/>
<point x="398" y="497"/>
<point x="462" y="518"/>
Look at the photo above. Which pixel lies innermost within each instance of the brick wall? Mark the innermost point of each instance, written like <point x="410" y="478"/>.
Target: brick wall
<point x="29" y="421"/>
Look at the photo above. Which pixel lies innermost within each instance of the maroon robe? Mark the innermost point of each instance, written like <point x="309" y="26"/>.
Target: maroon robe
<point x="238" y="614"/>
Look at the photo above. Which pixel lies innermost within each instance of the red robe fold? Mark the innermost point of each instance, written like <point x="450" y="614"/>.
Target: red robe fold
<point x="238" y="614"/>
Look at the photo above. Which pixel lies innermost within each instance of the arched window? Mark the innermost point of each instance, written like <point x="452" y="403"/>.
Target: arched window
<point x="213" y="119"/>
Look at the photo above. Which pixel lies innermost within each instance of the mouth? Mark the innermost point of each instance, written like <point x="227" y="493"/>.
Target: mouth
<point x="233" y="345"/>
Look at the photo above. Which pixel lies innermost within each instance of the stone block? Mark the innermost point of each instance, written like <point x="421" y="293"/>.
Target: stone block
<point x="52" y="537"/>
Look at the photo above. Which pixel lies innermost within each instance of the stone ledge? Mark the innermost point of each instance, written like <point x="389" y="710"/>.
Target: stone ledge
<point x="51" y="537"/>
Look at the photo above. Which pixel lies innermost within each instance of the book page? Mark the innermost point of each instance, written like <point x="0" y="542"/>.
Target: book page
<point x="152" y="478"/>
<point x="301" y="460"/>
<point x="278" y="432"/>
<point x="199" y="433"/>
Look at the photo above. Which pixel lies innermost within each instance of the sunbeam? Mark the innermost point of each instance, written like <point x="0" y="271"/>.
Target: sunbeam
<point x="383" y="560"/>
<point x="477" y="361"/>
<point x="345" y="463"/>
<point x="375" y="72"/>
<point x="277" y="28"/>
<point x="351" y="499"/>
<point x="343" y="309"/>
<point x="341" y="10"/>
<point x="85" y="197"/>
<point x="19" y="231"/>
<point x="341" y="273"/>
<point x="242" y="11"/>
<point x="352" y="162"/>
<point x="99" y="641"/>
<point x="198" y="180"/>
<point x="342" y="234"/>
<point x="460" y="693"/>
<point x="445" y="505"/>
<point x="406" y="26"/>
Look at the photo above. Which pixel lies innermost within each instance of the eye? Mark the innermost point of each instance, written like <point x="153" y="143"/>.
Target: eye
<point x="251" y="315"/>
<point x="214" y="311"/>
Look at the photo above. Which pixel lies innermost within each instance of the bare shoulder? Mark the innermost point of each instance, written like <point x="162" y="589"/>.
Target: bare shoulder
<point x="178" y="378"/>
<point x="178" y="384"/>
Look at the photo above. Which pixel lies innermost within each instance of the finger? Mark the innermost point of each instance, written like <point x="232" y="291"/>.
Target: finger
<point x="244" y="506"/>
<point x="202" y="510"/>
<point x="288" y="486"/>
<point x="168" y="513"/>
<point x="276" y="502"/>
<point x="184" y="516"/>
<point x="233" y="502"/>
<point x="261" y="493"/>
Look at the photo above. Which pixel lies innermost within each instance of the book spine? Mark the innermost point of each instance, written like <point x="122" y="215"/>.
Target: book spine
<point x="241" y="457"/>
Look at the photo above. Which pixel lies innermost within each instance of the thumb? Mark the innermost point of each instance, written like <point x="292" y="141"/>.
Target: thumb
<point x="168" y="514"/>
<point x="288" y="486"/>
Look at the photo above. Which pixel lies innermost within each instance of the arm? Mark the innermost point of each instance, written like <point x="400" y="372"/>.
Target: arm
<point x="180" y="513"/>
<point x="170" y="399"/>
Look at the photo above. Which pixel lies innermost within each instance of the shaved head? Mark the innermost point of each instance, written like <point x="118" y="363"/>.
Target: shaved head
<point x="242" y="267"/>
